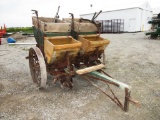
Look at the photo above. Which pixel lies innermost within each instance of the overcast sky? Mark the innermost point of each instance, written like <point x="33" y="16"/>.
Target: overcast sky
<point x="17" y="13"/>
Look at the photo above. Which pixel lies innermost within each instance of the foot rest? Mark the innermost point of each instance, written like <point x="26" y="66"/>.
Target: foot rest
<point x="90" y="69"/>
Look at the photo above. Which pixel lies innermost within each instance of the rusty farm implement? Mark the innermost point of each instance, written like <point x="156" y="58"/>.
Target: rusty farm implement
<point x="68" y="47"/>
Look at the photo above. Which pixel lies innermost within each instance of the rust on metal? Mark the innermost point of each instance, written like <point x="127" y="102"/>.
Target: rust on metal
<point x="127" y="91"/>
<point x="37" y="67"/>
<point x="126" y="102"/>
<point x="134" y="102"/>
<point x="114" y="99"/>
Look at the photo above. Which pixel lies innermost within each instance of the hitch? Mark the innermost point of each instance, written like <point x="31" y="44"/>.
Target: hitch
<point x="96" y="73"/>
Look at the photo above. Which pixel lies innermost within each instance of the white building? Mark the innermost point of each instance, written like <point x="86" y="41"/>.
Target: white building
<point x="135" y="17"/>
<point x="156" y="11"/>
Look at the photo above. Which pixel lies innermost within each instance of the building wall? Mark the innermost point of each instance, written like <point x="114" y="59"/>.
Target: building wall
<point x="147" y="15"/>
<point x="135" y="19"/>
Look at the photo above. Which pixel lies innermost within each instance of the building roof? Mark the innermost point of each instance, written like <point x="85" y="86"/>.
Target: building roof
<point x="156" y="10"/>
<point x="142" y="5"/>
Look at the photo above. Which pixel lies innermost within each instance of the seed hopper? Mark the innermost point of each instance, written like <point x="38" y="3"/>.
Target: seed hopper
<point x="68" y="47"/>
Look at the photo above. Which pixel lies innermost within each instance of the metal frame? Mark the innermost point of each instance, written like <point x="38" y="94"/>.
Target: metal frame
<point x="102" y="76"/>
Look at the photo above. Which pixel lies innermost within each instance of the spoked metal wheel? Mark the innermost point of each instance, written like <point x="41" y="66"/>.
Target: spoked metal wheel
<point x="37" y="67"/>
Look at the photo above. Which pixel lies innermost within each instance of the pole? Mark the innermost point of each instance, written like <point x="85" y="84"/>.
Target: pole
<point x="0" y="41"/>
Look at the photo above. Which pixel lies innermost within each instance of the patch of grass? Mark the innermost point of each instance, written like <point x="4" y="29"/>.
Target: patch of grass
<point x="20" y="29"/>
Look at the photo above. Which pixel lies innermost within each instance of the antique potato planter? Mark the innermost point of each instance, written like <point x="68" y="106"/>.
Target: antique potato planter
<point x="68" y="47"/>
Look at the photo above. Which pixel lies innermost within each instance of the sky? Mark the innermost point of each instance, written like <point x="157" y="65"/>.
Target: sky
<point x="17" y="13"/>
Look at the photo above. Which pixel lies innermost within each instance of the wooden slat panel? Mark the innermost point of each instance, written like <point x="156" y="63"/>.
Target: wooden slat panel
<point x="46" y="25"/>
<point x="57" y="27"/>
<point x="84" y="27"/>
<point x="48" y="50"/>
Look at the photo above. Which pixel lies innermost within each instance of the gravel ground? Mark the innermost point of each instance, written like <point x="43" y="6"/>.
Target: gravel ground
<point x="131" y="58"/>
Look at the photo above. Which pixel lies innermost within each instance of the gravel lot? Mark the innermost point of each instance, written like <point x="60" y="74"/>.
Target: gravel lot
<point x="131" y="58"/>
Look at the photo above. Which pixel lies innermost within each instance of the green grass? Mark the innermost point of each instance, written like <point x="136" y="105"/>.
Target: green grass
<point x="20" y="29"/>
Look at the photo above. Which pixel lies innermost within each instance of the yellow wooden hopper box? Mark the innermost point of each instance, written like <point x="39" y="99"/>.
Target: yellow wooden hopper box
<point x="55" y="48"/>
<point x="92" y="43"/>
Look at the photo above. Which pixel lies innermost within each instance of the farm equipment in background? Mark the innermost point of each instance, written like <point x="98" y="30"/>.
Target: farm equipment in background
<point x="155" y="26"/>
<point x="68" y="47"/>
<point x="2" y="33"/>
